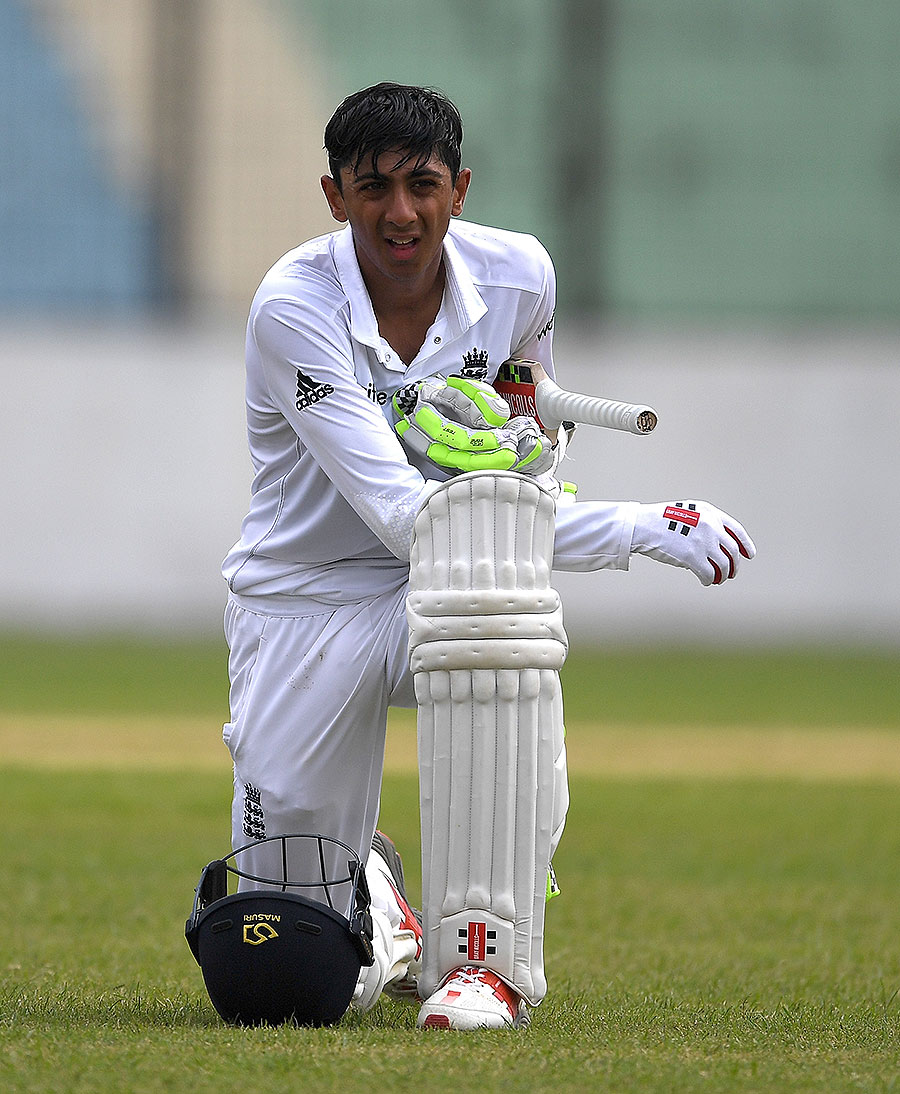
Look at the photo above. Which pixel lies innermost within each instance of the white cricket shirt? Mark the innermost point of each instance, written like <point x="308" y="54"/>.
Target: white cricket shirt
<point x="335" y="494"/>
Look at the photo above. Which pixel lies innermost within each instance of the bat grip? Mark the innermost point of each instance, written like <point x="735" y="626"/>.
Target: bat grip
<point x="555" y="406"/>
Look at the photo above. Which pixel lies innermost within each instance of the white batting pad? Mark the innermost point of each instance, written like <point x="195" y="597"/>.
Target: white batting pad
<point x="486" y="645"/>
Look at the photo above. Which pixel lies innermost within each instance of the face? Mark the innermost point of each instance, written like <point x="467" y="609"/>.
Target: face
<point x="399" y="216"/>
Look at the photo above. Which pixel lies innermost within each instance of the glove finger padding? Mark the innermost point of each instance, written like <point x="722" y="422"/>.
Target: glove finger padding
<point x="548" y="466"/>
<point x="471" y="402"/>
<point x="535" y="450"/>
<point x="695" y="535"/>
<point x="457" y="423"/>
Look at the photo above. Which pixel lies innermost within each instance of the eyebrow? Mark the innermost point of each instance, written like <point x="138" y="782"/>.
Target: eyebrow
<point x="417" y="172"/>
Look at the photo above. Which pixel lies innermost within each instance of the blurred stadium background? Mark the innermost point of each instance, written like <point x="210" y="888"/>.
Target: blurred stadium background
<point x="719" y="184"/>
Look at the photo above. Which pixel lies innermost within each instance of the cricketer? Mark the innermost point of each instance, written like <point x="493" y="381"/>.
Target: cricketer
<point x="398" y="550"/>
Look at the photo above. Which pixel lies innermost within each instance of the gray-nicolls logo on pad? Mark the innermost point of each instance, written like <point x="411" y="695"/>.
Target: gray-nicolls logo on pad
<point x="309" y="392"/>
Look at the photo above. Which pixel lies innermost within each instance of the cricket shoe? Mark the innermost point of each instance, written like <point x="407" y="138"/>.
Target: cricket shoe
<point x="473" y="998"/>
<point x="404" y="987"/>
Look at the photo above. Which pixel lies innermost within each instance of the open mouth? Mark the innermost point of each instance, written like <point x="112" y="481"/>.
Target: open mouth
<point x="402" y="245"/>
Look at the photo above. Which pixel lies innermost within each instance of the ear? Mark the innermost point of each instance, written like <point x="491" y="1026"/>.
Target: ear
<point x="459" y="191"/>
<point x="334" y="198"/>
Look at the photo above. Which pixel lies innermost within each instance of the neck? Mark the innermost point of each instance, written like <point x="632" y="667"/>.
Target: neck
<point x="421" y="296"/>
<point x="405" y="317"/>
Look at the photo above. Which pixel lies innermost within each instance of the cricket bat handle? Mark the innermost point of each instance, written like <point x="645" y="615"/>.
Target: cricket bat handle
<point x="554" y="406"/>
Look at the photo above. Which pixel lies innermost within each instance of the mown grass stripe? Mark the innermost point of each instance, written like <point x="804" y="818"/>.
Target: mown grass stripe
<point x="153" y="742"/>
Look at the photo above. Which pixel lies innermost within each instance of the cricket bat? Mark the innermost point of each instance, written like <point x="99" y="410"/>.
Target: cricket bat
<point x="531" y="393"/>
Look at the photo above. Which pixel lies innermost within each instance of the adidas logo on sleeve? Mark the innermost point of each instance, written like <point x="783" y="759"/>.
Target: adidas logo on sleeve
<point x="309" y="392"/>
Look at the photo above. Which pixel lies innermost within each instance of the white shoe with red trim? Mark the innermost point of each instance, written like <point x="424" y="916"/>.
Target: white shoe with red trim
<point x="407" y="927"/>
<point x="473" y="998"/>
<point x="396" y="931"/>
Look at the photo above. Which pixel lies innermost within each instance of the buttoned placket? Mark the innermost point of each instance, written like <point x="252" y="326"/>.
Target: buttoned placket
<point x="461" y="307"/>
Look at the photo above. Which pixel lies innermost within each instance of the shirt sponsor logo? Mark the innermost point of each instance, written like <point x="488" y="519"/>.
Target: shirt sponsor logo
<point x="309" y="392"/>
<point x="379" y="397"/>
<point x="547" y="327"/>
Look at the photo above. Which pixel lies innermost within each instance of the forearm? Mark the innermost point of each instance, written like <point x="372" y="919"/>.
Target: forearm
<point x="698" y="537"/>
<point x="594" y="535"/>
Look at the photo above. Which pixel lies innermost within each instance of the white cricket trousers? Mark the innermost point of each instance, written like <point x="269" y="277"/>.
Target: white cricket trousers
<point x="309" y="699"/>
<point x="310" y="694"/>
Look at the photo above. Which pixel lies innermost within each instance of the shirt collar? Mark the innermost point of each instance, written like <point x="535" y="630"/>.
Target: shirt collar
<point x="464" y="298"/>
<point x="363" y="324"/>
<point x="463" y="304"/>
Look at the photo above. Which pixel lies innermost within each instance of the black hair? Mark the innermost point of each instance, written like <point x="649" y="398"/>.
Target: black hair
<point x="389" y="118"/>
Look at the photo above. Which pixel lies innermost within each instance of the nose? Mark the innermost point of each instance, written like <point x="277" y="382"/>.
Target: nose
<point x="400" y="210"/>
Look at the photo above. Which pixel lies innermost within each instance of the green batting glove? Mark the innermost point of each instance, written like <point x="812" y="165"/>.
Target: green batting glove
<point x="473" y="402"/>
<point x="536" y="454"/>
<point x="458" y="424"/>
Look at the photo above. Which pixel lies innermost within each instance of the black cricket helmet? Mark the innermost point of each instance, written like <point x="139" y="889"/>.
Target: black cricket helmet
<point x="270" y="954"/>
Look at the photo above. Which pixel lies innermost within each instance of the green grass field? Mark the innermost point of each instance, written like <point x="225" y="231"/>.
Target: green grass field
<point x="717" y="932"/>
